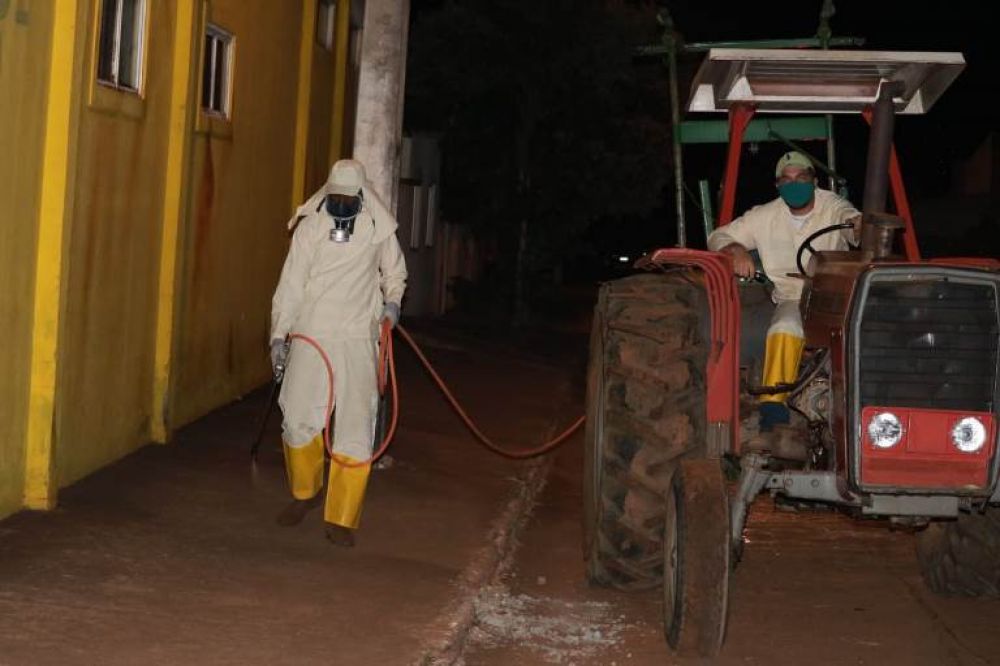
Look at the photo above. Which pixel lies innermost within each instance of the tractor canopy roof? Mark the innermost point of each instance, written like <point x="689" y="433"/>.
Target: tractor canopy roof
<point x="832" y="81"/>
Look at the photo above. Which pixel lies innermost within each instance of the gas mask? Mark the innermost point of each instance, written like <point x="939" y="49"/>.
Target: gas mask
<point x="344" y="210"/>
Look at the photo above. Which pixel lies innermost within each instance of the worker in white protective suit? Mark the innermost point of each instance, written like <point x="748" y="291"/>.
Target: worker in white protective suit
<point x="776" y="230"/>
<point x="344" y="275"/>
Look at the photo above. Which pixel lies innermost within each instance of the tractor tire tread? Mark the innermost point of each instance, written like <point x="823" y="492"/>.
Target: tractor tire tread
<point x="962" y="557"/>
<point x="648" y="344"/>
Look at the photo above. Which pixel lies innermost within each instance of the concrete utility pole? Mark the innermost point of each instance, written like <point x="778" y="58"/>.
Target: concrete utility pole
<point x="381" y="86"/>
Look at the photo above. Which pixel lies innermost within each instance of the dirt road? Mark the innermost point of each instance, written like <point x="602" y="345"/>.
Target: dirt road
<point x="813" y="588"/>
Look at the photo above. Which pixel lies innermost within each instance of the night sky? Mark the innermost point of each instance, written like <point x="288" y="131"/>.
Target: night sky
<point x="956" y="125"/>
<point x="929" y="146"/>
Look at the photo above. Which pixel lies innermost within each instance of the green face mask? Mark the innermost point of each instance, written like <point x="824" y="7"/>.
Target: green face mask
<point x="796" y="194"/>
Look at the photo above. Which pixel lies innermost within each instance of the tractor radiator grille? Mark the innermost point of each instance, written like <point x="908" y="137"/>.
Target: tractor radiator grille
<point x="929" y="344"/>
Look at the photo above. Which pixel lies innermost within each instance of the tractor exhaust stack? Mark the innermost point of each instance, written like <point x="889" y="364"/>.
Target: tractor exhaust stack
<point x="878" y="232"/>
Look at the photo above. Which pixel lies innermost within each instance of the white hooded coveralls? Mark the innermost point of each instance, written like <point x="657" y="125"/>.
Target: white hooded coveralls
<point x="334" y="293"/>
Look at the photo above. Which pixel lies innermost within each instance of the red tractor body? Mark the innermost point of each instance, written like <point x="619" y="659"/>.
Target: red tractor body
<point x="898" y="394"/>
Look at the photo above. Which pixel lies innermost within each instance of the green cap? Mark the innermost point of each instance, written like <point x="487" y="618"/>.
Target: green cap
<point x="793" y="158"/>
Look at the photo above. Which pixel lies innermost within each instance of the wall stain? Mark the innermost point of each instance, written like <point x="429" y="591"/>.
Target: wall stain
<point x="204" y="205"/>
<point x="231" y="361"/>
<point x="103" y="153"/>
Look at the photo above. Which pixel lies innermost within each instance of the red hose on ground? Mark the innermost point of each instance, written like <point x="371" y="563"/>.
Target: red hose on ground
<point x="484" y="440"/>
<point x="387" y="359"/>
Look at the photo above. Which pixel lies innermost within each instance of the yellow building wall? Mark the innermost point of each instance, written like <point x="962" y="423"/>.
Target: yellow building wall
<point x="235" y="236"/>
<point x="25" y="44"/>
<point x="318" y="160"/>
<point x="111" y="157"/>
<point x="106" y="352"/>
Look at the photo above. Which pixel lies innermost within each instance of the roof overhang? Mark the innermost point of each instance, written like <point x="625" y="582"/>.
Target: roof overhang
<point x="801" y="81"/>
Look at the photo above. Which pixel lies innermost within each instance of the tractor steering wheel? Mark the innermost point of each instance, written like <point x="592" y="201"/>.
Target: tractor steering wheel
<point x="807" y="243"/>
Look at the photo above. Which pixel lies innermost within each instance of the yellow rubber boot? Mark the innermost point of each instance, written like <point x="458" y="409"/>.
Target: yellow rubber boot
<point x="304" y="465"/>
<point x="782" y="356"/>
<point x="345" y="493"/>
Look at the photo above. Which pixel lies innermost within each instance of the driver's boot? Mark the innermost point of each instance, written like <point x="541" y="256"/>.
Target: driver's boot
<point x="782" y="355"/>
<point x="781" y="441"/>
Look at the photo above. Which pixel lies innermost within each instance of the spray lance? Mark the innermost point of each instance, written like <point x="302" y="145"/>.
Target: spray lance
<point x="279" y="375"/>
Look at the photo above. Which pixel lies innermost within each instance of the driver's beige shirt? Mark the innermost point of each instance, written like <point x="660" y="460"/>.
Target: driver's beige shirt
<point x="769" y="230"/>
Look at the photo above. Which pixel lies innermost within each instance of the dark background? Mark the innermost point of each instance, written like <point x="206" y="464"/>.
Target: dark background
<point x="929" y="146"/>
<point x="932" y="148"/>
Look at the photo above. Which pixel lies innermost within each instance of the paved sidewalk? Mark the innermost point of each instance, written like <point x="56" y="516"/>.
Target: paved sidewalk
<point x="172" y="556"/>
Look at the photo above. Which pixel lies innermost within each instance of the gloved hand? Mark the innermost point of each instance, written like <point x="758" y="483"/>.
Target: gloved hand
<point x="279" y="354"/>
<point x="391" y="312"/>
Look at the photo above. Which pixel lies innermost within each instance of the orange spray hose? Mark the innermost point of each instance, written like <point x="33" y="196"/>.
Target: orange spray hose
<point x="470" y="424"/>
<point x="387" y="360"/>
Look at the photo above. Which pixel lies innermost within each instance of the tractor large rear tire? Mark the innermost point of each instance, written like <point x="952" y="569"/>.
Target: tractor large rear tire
<point x="645" y="412"/>
<point x="962" y="557"/>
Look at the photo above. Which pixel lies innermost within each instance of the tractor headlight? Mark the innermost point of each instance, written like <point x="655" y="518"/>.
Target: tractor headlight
<point x="968" y="435"/>
<point x="885" y="430"/>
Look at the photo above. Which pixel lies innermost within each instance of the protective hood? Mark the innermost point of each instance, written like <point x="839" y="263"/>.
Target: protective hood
<point x="374" y="211"/>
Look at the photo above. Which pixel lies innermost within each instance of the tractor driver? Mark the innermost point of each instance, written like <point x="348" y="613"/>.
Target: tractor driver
<point x="776" y="230"/>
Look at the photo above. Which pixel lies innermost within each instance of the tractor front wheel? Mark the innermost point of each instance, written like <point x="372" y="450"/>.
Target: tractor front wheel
<point x="962" y="557"/>
<point x="696" y="559"/>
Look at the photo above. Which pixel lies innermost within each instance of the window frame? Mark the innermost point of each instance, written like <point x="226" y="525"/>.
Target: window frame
<point x="140" y="46"/>
<point x="417" y="216"/>
<point x="227" y="40"/>
<point x="431" y="215"/>
<point x="326" y="39"/>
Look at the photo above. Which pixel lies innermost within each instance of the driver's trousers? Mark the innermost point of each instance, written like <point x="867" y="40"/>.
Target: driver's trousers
<point x="783" y="351"/>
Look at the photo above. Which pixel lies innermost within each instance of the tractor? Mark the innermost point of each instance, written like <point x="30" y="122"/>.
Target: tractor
<point x="897" y="394"/>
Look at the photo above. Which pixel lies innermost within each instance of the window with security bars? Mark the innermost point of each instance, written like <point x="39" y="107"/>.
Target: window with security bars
<point x="216" y="79"/>
<point x="120" y="44"/>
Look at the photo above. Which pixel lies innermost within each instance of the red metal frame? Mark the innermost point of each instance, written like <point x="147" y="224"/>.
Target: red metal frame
<point x="925" y="457"/>
<point x="900" y="199"/>
<point x="722" y="379"/>
<point x="720" y="283"/>
<point x="722" y="373"/>
<point x="740" y="116"/>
